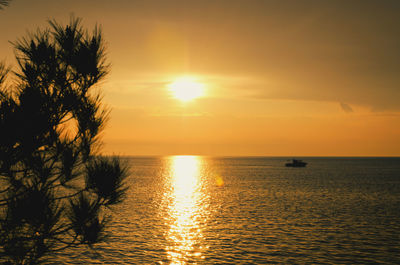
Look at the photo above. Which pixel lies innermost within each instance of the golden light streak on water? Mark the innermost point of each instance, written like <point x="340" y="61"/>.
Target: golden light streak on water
<point x="186" y="203"/>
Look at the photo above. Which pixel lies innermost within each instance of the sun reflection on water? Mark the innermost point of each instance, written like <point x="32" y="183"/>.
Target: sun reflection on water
<point x="186" y="210"/>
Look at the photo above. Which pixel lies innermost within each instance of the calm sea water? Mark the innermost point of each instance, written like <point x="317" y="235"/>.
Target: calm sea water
<point x="203" y="210"/>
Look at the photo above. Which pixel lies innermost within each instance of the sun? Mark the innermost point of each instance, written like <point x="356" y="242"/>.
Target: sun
<point x="186" y="89"/>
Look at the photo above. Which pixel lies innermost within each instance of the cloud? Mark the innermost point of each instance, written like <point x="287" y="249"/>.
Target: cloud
<point x="346" y="107"/>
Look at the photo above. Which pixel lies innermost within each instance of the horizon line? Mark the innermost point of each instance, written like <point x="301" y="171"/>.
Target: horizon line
<point x="270" y="156"/>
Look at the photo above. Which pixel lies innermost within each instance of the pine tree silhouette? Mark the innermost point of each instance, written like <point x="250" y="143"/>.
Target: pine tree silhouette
<point x="56" y="191"/>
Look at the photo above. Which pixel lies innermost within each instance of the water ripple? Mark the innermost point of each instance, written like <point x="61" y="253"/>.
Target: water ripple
<point x="193" y="210"/>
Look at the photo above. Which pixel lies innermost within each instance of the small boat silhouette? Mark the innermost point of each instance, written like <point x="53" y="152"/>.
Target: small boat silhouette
<point x="296" y="163"/>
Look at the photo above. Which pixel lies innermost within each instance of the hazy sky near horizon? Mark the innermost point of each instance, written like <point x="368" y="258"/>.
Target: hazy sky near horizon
<point x="281" y="77"/>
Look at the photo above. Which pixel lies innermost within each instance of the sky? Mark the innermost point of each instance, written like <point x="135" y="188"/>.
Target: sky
<point x="280" y="78"/>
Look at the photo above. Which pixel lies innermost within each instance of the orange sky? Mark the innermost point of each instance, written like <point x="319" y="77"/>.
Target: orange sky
<point x="318" y="78"/>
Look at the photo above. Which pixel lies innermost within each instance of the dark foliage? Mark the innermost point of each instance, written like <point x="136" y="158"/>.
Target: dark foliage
<point x="55" y="190"/>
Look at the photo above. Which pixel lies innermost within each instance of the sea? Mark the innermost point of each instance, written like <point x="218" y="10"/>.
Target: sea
<point x="254" y="210"/>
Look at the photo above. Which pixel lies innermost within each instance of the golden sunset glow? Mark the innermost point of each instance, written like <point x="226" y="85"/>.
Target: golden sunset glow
<point x="186" y="89"/>
<point x="185" y="209"/>
<point x="240" y="78"/>
<point x="219" y="181"/>
<point x="199" y="132"/>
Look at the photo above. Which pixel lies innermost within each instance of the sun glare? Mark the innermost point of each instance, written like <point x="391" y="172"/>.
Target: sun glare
<point x="186" y="89"/>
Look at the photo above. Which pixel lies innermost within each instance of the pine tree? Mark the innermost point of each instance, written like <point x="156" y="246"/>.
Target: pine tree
<point x="56" y="191"/>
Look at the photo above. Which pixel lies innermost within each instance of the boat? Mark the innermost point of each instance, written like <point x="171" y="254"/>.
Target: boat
<point x="296" y="163"/>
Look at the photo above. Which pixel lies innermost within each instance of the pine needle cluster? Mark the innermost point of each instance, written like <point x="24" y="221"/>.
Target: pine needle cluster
<point x="55" y="189"/>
